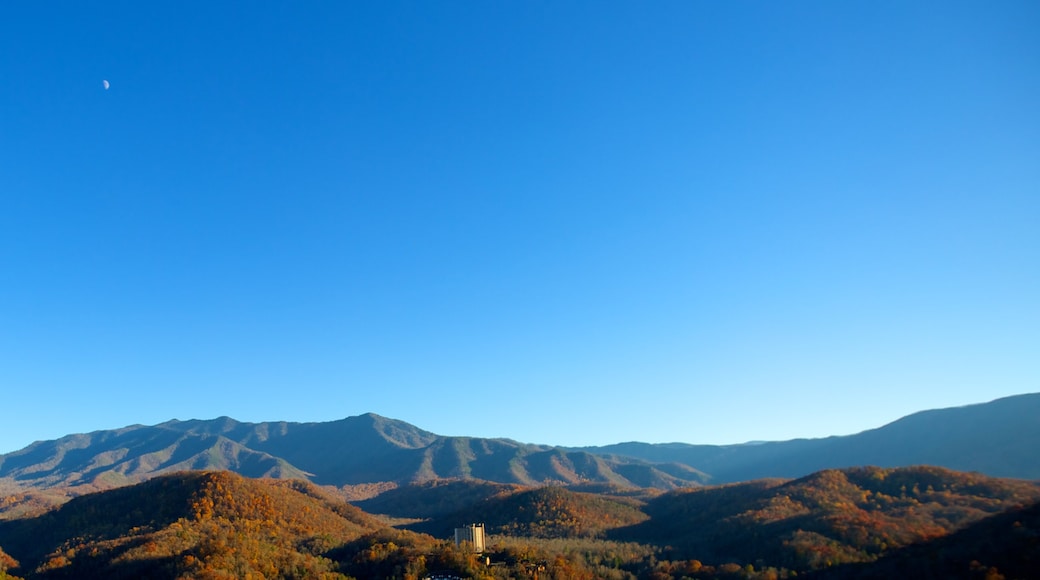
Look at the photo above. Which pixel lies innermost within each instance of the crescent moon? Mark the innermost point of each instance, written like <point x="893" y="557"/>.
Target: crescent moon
<point x="106" y="84"/>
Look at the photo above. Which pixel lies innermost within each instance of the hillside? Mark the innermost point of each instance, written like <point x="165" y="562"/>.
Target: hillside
<point x="544" y="512"/>
<point x="434" y="499"/>
<point x="1006" y="545"/>
<point x="826" y="518"/>
<point x="860" y="523"/>
<point x="998" y="438"/>
<point x="185" y="525"/>
<point x="18" y="502"/>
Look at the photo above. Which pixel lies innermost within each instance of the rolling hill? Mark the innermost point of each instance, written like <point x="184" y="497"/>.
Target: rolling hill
<point x="542" y="512"/>
<point x="826" y="518"/>
<point x="187" y="525"/>
<point x="859" y="523"/>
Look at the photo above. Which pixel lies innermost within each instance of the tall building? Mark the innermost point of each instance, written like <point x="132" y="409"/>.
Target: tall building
<point x="474" y="534"/>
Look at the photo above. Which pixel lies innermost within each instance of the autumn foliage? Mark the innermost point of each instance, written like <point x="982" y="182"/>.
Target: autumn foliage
<point x="838" y="523"/>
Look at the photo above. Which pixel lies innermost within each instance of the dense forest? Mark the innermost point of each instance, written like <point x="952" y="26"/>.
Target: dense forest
<point x="854" y="523"/>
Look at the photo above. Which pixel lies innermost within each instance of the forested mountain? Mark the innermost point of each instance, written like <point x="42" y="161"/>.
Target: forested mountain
<point x="1006" y="545"/>
<point x="826" y="518"/>
<point x="356" y="450"/>
<point x="187" y="525"/>
<point x="857" y="523"/>
<point x="999" y="438"/>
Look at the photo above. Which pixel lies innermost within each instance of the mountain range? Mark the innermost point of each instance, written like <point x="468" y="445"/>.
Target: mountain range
<point x="222" y="498"/>
<point x="998" y="438"/>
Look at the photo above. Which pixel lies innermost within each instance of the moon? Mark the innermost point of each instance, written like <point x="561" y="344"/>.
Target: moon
<point x="106" y="85"/>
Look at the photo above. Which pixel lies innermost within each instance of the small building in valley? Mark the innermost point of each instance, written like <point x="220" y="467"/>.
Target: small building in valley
<point x="474" y="534"/>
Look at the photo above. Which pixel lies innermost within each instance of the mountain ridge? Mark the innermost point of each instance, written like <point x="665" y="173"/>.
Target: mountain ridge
<point x="996" y="438"/>
<point x="355" y="450"/>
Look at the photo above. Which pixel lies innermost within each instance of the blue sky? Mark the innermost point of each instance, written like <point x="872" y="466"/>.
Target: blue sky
<point x="558" y="222"/>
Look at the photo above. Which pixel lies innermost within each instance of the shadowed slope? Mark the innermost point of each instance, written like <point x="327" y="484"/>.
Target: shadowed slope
<point x="435" y="498"/>
<point x="1006" y="545"/>
<point x="826" y="518"/>
<point x="543" y="512"/>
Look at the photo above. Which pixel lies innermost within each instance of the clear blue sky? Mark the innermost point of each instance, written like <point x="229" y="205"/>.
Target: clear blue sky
<point x="558" y="222"/>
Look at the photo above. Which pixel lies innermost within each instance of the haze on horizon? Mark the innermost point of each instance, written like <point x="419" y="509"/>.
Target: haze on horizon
<point x="566" y="223"/>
